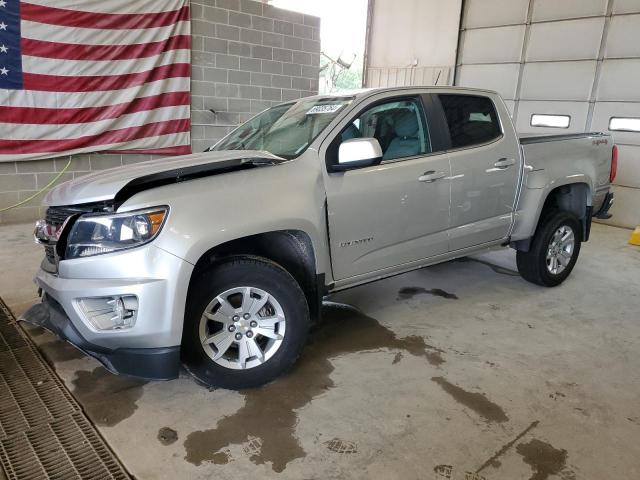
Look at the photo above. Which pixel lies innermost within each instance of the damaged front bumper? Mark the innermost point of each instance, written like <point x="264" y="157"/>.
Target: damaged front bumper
<point x="150" y="363"/>
<point x="124" y="308"/>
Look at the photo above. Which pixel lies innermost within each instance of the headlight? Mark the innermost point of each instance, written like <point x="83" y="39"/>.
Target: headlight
<point x="97" y="234"/>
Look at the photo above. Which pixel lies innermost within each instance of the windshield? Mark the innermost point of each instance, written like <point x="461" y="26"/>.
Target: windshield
<point x="285" y="130"/>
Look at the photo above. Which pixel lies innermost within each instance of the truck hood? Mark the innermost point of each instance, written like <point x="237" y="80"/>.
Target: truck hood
<point x="120" y="183"/>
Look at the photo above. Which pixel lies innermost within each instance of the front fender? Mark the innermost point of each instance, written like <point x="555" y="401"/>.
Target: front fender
<point x="210" y="211"/>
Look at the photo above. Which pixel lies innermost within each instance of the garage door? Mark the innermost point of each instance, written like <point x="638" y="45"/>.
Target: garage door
<point x="563" y="67"/>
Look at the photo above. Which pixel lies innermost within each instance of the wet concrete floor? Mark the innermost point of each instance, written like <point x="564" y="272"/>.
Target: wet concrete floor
<point x="458" y="371"/>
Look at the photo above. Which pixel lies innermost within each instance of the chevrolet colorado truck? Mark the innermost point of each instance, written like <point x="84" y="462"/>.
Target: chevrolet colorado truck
<point x="220" y="260"/>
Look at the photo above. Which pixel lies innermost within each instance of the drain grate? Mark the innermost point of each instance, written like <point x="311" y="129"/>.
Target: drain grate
<point x="28" y="399"/>
<point x="9" y="336"/>
<point x="43" y="432"/>
<point x="67" y="448"/>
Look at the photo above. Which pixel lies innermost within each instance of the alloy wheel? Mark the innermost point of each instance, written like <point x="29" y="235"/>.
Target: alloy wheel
<point x="242" y="327"/>
<point x="560" y="249"/>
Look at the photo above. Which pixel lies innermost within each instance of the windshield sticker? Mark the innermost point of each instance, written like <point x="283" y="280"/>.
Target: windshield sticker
<point x="324" y="109"/>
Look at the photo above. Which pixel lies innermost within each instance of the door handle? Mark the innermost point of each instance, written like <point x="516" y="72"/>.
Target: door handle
<point x="504" y="163"/>
<point x="431" y="176"/>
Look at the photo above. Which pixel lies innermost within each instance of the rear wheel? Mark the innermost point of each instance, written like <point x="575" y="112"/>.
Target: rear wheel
<point x="554" y="250"/>
<point x="247" y="323"/>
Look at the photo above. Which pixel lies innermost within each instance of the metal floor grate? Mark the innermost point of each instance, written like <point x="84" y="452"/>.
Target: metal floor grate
<point x="43" y="432"/>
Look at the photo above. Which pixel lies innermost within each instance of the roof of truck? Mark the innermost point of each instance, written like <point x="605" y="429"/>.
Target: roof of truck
<point x="365" y="92"/>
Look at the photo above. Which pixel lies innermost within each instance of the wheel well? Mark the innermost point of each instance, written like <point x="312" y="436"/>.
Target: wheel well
<point x="574" y="198"/>
<point x="291" y="249"/>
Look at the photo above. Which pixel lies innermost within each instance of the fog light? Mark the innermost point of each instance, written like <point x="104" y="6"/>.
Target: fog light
<point x="110" y="313"/>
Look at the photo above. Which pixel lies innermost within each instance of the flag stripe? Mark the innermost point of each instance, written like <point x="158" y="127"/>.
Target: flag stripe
<point x="105" y="6"/>
<point x="71" y="51"/>
<point x="106" y="21"/>
<point x="21" y="98"/>
<point x="96" y="36"/>
<point x="142" y="145"/>
<point x="106" y="138"/>
<point x="102" y="83"/>
<point x="48" y="131"/>
<point x="177" y="150"/>
<point x="152" y="142"/>
<point x="61" y="116"/>
<point x="95" y="68"/>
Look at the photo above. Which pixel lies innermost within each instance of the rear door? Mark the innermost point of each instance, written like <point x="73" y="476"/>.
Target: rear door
<point x="485" y="169"/>
<point x="394" y="213"/>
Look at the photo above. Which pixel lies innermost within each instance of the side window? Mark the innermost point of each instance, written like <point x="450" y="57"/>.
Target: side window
<point x="399" y="126"/>
<point x="472" y="120"/>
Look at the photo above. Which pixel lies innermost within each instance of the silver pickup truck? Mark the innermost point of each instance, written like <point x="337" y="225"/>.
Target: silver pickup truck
<point x="220" y="260"/>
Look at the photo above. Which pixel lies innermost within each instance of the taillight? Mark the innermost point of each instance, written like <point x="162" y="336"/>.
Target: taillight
<point x="614" y="163"/>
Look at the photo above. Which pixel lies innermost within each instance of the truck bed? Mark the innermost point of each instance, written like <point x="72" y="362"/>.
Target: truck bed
<point x="585" y="156"/>
<point x="526" y="139"/>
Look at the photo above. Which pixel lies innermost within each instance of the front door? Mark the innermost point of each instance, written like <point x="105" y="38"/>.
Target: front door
<point x="484" y="171"/>
<point x="394" y="213"/>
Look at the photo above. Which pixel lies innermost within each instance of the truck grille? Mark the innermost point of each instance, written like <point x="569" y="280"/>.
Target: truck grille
<point x="57" y="215"/>
<point x="50" y="254"/>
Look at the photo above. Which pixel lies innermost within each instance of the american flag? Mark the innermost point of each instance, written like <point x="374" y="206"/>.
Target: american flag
<point x="94" y="75"/>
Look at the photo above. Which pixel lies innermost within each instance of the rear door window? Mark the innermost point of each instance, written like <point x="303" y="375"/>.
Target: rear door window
<point x="472" y="120"/>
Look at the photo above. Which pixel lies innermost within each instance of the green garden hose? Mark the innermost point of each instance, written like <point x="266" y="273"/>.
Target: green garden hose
<point x="48" y="185"/>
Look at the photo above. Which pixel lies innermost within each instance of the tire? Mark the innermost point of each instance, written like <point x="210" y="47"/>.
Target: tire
<point x="220" y="350"/>
<point x="534" y="265"/>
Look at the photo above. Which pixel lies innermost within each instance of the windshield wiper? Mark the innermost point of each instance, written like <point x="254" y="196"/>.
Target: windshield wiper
<point x="271" y="160"/>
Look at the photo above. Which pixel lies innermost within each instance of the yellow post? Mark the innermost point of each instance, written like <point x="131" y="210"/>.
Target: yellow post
<point x="635" y="237"/>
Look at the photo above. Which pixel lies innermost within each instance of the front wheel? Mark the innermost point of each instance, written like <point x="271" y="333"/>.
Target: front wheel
<point x="246" y="323"/>
<point x="554" y="250"/>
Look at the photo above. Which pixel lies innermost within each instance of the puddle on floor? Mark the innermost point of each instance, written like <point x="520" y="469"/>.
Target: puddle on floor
<point x="410" y="292"/>
<point x="107" y="398"/>
<point x="167" y="436"/>
<point x="268" y="417"/>
<point x="495" y="268"/>
<point x="493" y="460"/>
<point x="477" y="402"/>
<point x="544" y="460"/>
<point x="32" y="330"/>
<point x="59" y="351"/>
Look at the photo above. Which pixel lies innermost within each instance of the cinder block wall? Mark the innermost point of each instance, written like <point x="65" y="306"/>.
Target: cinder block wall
<point x="246" y="57"/>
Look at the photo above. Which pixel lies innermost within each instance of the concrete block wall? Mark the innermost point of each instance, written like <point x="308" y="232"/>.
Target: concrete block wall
<point x="20" y="180"/>
<point x="246" y="56"/>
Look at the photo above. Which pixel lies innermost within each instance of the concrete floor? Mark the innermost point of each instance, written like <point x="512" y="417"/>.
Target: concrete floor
<point x="461" y="367"/>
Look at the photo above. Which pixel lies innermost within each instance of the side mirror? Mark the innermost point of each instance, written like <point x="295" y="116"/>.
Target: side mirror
<point x="357" y="153"/>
